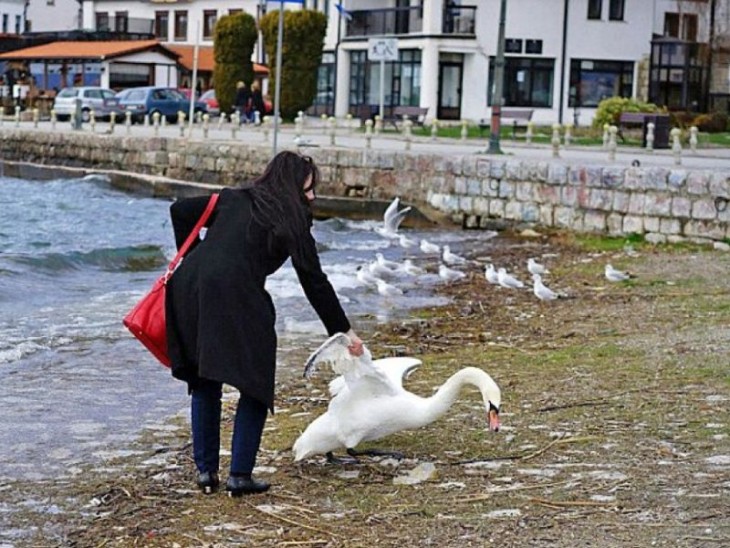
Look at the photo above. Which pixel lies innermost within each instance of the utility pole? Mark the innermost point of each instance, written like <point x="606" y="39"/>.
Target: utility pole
<point x="498" y="92"/>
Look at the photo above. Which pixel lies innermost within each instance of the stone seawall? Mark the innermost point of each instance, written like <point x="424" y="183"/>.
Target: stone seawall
<point x="473" y="190"/>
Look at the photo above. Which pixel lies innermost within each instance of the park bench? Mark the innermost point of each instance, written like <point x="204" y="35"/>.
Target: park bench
<point x="518" y="118"/>
<point x="627" y="120"/>
<point x="417" y="115"/>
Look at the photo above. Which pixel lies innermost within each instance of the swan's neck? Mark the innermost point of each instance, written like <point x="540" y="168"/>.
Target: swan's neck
<point x="446" y="395"/>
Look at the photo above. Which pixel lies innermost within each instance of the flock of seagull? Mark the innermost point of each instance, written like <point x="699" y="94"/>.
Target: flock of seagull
<point x="383" y="273"/>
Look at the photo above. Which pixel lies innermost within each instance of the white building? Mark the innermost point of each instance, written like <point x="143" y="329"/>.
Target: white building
<point x="53" y="15"/>
<point x="561" y="56"/>
<point x="12" y="16"/>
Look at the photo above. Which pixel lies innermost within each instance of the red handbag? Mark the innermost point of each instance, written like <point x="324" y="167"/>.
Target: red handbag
<point x="146" y="320"/>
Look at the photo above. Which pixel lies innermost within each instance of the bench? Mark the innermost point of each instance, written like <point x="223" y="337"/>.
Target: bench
<point x="417" y="115"/>
<point x="641" y="119"/>
<point x="518" y="117"/>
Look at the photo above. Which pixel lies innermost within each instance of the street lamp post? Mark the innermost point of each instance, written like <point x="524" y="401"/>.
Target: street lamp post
<point x="497" y="99"/>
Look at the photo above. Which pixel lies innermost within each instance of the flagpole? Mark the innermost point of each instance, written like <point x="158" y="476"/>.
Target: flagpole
<point x="277" y="83"/>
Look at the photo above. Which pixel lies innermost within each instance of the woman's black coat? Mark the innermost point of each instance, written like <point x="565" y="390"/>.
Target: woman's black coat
<point x="220" y="319"/>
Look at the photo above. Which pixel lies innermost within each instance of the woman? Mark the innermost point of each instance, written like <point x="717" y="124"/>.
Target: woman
<point x="220" y="319"/>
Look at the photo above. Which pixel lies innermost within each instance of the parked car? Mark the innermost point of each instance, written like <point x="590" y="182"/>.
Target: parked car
<point x="148" y="100"/>
<point x="211" y="102"/>
<point x="102" y="101"/>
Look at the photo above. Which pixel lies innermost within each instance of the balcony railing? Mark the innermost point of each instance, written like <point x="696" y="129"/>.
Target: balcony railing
<point x="393" y="21"/>
<point x="459" y="19"/>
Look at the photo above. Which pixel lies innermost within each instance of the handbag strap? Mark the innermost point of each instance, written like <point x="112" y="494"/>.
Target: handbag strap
<point x="192" y="236"/>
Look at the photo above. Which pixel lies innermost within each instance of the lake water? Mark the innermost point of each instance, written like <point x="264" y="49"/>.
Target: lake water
<point x="75" y="255"/>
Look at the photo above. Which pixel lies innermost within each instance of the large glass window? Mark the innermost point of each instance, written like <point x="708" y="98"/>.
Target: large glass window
<point x="162" y="25"/>
<point x="595" y="7"/>
<point x="402" y="80"/>
<point x="528" y="82"/>
<point x="325" y="98"/>
<point x="616" y="10"/>
<point x="181" y="25"/>
<point x="593" y="81"/>
<point x="209" y="19"/>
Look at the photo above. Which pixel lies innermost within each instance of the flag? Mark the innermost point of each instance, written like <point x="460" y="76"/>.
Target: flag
<point x="343" y="12"/>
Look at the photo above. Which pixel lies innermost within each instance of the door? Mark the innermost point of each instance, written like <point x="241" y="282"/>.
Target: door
<point x="449" y="96"/>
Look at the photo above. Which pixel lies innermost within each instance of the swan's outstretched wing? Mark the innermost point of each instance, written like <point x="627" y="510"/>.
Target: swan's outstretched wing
<point x="397" y="369"/>
<point x="353" y="369"/>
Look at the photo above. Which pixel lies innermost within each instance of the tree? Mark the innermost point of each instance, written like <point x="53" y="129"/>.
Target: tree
<point x="302" y="44"/>
<point x="234" y="38"/>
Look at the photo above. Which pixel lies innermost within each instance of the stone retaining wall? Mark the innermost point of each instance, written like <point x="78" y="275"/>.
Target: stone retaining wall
<point x="475" y="191"/>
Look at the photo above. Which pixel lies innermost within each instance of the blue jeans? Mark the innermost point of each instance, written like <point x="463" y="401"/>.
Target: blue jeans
<point x="205" y="416"/>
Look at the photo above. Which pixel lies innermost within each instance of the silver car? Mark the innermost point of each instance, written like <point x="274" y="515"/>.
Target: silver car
<point x="102" y="101"/>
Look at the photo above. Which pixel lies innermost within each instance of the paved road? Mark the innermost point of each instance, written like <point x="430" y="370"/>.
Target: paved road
<point x="315" y="134"/>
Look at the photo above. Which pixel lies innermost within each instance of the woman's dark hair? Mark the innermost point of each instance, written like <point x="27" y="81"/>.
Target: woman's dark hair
<point x="279" y="200"/>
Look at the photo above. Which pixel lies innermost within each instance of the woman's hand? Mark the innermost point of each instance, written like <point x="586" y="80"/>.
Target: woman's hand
<point x="356" y="347"/>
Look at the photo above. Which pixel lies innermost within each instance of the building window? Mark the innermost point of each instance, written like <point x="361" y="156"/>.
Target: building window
<point x="5" y="23"/>
<point x="102" y="20"/>
<point x="512" y="45"/>
<point x="18" y="21"/>
<point x="209" y="19"/>
<point x="162" y="25"/>
<point x="528" y="82"/>
<point x="595" y="7"/>
<point x="616" y="10"/>
<point x="121" y="21"/>
<point x="181" y="25"/>
<point x="402" y="80"/>
<point x="324" y="101"/>
<point x="593" y="81"/>
<point x="534" y="47"/>
<point x="234" y="11"/>
<point x="687" y="30"/>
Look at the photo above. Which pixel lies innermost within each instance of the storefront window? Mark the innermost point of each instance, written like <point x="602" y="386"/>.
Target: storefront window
<point x="593" y="81"/>
<point x="402" y="80"/>
<point x="528" y="82"/>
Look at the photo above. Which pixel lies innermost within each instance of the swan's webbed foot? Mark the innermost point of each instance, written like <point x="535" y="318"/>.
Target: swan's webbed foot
<point x="331" y="459"/>
<point x="376" y="453"/>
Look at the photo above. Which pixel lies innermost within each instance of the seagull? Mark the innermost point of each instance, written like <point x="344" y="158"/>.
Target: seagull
<point x="505" y="280"/>
<point x="491" y="274"/>
<point x="369" y="402"/>
<point x="409" y="268"/>
<point x="449" y="274"/>
<point x="613" y="275"/>
<point x="388" y="290"/>
<point x="380" y="271"/>
<point x="406" y="242"/>
<point x="382" y="261"/>
<point x="365" y="277"/>
<point x="536" y="268"/>
<point x="452" y="258"/>
<point x="541" y="291"/>
<point x="428" y="247"/>
<point x="392" y="218"/>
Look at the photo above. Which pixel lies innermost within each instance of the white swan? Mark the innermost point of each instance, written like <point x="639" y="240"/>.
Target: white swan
<point x="369" y="401"/>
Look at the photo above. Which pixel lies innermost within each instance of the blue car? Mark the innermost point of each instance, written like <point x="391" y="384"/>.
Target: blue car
<point x="148" y="100"/>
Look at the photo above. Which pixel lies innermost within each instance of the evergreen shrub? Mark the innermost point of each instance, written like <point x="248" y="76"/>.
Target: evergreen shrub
<point x="234" y="38"/>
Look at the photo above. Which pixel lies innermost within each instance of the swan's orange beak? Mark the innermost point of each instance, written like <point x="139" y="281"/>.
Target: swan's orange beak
<point x="494" y="420"/>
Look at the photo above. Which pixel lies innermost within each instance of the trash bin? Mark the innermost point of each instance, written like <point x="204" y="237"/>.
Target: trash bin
<point x="661" y="130"/>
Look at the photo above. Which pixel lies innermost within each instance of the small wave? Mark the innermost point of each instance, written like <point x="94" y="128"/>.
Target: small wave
<point x="23" y="349"/>
<point x="114" y="259"/>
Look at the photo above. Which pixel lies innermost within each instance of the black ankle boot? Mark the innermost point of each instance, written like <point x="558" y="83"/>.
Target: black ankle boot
<point x="240" y="485"/>
<point x="208" y="482"/>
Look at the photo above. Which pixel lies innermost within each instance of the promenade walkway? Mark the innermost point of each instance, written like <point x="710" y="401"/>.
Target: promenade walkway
<point x="315" y="134"/>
